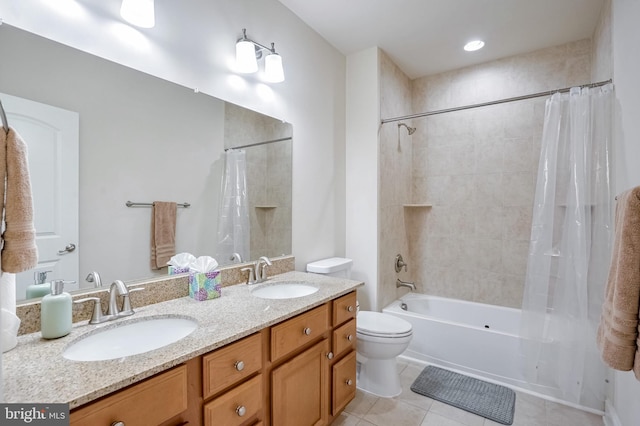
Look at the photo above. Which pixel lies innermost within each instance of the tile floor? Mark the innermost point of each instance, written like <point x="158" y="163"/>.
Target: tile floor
<point x="411" y="409"/>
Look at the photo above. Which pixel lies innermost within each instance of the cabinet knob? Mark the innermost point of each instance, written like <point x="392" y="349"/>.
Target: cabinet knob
<point x="239" y="365"/>
<point x="350" y="337"/>
<point x="350" y="308"/>
<point x="241" y="411"/>
<point x="307" y="331"/>
<point x="349" y="382"/>
<point x="330" y="355"/>
<point x="117" y="424"/>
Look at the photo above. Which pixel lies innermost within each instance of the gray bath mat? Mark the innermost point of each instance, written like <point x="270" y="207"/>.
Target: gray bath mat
<point x="488" y="400"/>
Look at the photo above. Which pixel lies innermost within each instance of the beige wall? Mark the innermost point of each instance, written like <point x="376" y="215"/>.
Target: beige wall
<point x="478" y="169"/>
<point x="395" y="153"/>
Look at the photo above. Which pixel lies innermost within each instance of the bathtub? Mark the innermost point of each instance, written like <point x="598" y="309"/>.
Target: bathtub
<point x="472" y="338"/>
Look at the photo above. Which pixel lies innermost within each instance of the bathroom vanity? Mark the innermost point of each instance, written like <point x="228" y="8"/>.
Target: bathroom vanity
<point x="250" y="361"/>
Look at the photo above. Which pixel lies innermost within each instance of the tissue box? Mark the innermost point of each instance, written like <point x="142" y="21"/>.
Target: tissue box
<point x="205" y="285"/>
<point x="175" y="270"/>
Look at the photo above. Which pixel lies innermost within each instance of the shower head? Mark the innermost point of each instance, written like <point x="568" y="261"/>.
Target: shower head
<point x="410" y="130"/>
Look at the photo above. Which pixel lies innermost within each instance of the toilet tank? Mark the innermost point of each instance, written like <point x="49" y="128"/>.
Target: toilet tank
<point x="333" y="267"/>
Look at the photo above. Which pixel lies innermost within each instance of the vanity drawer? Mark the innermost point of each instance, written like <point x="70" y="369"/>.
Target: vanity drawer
<point x="226" y="366"/>
<point x="296" y="332"/>
<point x="344" y="383"/>
<point x="344" y="308"/>
<point x="152" y="401"/>
<point x="236" y="406"/>
<point x="344" y="338"/>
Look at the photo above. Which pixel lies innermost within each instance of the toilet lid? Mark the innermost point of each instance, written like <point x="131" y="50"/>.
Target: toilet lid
<point x="379" y="324"/>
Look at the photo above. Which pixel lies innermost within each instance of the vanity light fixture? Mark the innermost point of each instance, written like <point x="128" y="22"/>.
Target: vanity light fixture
<point x="247" y="54"/>
<point x="474" y="45"/>
<point x="138" y="12"/>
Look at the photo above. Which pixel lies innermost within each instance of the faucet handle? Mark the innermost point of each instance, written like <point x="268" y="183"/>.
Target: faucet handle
<point x="96" y="317"/>
<point x="126" y="301"/>
<point x="251" y="276"/>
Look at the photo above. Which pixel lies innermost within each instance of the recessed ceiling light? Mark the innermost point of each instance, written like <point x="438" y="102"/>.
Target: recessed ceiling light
<point x="474" y="45"/>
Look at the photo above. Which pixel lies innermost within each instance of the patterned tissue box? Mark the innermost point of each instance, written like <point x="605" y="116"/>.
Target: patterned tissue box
<point x="174" y="270"/>
<point x="205" y="285"/>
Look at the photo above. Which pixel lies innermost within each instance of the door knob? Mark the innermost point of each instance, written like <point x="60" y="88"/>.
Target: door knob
<point x="68" y="249"/>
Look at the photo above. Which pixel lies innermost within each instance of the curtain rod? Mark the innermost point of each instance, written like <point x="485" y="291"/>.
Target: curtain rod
<point x="258" y="143"/>
<point x="516" y="98"/>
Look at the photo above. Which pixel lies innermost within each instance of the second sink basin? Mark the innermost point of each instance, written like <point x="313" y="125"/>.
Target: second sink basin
<point x="284" y="290"/>
<point x="130" y="338"/>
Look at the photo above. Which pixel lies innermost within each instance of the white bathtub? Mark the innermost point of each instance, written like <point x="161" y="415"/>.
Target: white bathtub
<point x="473" y="338"/>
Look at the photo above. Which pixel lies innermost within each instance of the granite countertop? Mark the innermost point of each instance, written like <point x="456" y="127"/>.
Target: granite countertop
<point x="36" y="372"/>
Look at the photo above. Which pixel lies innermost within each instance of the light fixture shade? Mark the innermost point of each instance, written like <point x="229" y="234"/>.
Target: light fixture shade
<point x="273" y="71"/>
<point x="246" y="61"/>
<point x="139" y="12"/>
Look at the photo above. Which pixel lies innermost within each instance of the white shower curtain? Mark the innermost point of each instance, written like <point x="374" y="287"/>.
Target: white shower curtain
<point x="570" y="247"/>
<point x="233" y="222"/>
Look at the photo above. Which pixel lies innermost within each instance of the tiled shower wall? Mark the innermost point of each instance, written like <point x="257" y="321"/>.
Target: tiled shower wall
<point x="395" y="153"/>
<point x="477" y="168"/>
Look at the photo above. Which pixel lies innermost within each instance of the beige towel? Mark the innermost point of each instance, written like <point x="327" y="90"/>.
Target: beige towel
<point x="19" y="252"/>
<point x="163" y="233"/>
<point x="618" y="330"/>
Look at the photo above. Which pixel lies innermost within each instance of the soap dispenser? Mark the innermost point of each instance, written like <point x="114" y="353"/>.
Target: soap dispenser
<point x="39" y="288"/>
<point x="55" y="312"/>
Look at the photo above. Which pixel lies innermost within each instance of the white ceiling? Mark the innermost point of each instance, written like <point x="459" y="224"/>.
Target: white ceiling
<point x="425" y="37"/>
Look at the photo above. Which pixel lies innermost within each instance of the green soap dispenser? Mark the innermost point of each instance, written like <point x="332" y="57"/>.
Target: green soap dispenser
<point x="55" y="312"/>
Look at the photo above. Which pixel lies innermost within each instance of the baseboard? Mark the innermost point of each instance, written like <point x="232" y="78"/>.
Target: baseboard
<point x="610" y="414"/>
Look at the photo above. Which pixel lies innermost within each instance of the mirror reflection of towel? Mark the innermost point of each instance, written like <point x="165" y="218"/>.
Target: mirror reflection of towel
<point x="163" y="233"/>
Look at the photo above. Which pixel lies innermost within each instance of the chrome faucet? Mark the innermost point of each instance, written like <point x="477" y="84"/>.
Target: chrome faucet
<point x="261" y="268"/>
<point x="94" y="278"/>
<point x="257" y="273"/>
<point x="400" y="283"/>
<point x="236" y="257"/>
<point x="117" y="288"/>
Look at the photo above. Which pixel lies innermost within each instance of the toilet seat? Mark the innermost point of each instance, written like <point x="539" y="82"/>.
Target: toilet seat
<point x="377" y="324"/>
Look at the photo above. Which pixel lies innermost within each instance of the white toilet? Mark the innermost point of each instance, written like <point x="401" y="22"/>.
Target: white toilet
<point x="381" y="338"/>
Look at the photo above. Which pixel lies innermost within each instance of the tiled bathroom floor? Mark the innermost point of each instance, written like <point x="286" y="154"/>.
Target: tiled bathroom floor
<point x="411" y="409"/>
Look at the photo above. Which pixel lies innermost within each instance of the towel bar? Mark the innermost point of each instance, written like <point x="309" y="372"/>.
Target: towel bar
<point x="132" y="204"/>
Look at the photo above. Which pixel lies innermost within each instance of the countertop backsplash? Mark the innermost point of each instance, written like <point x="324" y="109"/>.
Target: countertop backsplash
<point x="156" y="290"/>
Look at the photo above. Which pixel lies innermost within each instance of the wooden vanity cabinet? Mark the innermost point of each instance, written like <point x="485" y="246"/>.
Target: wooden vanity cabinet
<point x="298" y="372"/>
<point x="343" y="363"/>
<point x="157" y="400"/>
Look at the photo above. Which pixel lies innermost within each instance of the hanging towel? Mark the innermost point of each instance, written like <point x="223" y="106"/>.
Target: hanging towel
<point x="163" y="233"/>
<point x="19" y="252"/>
<point x="617" y="336"/>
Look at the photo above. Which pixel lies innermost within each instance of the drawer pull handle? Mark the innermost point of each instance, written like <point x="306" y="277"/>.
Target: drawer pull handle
<point x="241" y="411"/>
<point x="350" y="308"/>
<point x="307" y="331"/>
<point x="239" y="365"/>
<point x="349" y="382"/>
<point x="350" y="337"/>
<point x="117" y="424"/>
<point x="330" y="355"/>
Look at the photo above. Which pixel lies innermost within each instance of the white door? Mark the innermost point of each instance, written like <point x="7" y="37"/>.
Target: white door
<point x="52" y="138"/>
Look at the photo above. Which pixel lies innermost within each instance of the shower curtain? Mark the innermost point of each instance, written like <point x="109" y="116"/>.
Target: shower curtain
<point x="570" y="247"/>
<point x="233" y="222"/>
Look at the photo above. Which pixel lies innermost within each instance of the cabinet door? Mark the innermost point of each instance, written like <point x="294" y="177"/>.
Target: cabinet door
<point x="344" y="382"/>
<point x="299" y="388"/>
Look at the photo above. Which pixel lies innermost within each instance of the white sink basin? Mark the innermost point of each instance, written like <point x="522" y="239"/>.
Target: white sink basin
<point x="283" y="290"/>
<point x="130" y="338"/>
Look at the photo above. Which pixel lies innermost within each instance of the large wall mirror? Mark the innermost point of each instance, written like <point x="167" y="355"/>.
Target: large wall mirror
<point x="139" y="139"/>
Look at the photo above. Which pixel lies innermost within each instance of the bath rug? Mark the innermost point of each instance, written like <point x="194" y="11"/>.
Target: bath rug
<point x="488" y="400"/>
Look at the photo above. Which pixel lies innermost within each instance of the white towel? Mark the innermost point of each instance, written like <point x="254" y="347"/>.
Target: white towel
<point x="9" y="322"/>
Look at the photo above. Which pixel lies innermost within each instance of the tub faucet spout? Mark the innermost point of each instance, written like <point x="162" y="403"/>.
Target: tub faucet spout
<point x="400" y="283"/>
